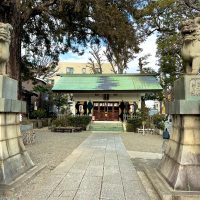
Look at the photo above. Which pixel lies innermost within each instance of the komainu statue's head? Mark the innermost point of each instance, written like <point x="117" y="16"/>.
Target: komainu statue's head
<point x="190" y="29"/>
<point x="4" y="42"/>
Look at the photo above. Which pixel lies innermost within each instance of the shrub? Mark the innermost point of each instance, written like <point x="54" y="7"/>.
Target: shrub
<point x="75" y="121"/>
<point x="79" y="121"/>
<point x="52" y="115"/>
<point x="158" y="121"/>
<point x="133" y="124"/>
<point x="60" y="122"/>
<point x="39" y="114"/>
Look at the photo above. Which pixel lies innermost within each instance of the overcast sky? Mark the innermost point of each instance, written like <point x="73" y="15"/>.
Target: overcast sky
<point x="149" y="47"/>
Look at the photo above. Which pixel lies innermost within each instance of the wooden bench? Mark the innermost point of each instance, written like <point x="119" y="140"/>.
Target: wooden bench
<point x="146" y="130"/>
<point x="66" y="129"/>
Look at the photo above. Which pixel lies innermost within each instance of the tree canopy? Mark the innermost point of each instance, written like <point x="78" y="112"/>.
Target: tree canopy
<point x="48" y="28"/>
<point x="164" y="17"/>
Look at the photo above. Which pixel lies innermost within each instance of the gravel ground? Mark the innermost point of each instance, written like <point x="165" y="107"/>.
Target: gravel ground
<point x="52" y="148"/>
<point x="144" y="143"/>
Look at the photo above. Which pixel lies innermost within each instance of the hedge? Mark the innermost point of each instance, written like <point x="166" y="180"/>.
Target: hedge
<point x="133" y="124"/>
<point x="75" y="121"/>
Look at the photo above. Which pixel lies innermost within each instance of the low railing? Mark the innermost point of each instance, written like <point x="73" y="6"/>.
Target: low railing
<point x="145" y="130"/>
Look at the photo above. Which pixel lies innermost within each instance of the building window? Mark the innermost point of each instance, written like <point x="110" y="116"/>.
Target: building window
<point x="84" y="70"/>
<point x="69" y="70"/>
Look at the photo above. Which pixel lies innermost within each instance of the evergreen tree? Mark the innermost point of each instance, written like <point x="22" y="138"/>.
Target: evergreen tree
<point x="51" y="27"/>
<point x="163" y="18"/>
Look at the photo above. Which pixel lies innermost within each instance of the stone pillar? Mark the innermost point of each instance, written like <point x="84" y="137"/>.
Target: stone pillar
<point x="180" y="165"/>
<point x="14" y="159"/>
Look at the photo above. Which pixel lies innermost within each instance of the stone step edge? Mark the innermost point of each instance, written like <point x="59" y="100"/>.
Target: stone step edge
<point x="107" y="131"/>
<point x="21" y="180"/>
<point x="164" y="190"/>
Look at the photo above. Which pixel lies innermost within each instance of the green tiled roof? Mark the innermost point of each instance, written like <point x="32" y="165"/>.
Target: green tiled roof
<point x="96" y="82"/>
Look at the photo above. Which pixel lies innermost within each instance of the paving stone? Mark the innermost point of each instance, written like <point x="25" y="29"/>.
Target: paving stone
<point x="80" y="166"/>
<point x="53" y="198"/>
<point x="134" y="190"/>
<point x="111" y="170"/>
<point x="112" y="179"/>
<point x="133" y="186"/>
<point x="99" y="169"/>
<point x="70" y="183"/>
<point x="87" y="195"/>
<point x="127" y="170"/>
<point x="94" y="171"/>
<point x="106" y="199"/>
<point x="111" y="163"/>
<point x="99" y="157"/>
<point x="77" y="171"/>
<point x="136" y="195"/>
<point x="68" y="193"/>
<point x="60" y="198"/>
<point x="97" y="162"/>
<point x="63" y="168"/>
<point x="112" y="191"/>
<point x="65" y="198"/>
<point x="91" y="183"/>
<point x="56" y="193"/>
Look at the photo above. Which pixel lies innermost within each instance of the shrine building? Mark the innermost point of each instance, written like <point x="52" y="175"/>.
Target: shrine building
<point x="106" y="96"/>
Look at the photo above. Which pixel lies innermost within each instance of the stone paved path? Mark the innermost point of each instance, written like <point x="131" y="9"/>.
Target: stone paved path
<point x="99" y="169"/>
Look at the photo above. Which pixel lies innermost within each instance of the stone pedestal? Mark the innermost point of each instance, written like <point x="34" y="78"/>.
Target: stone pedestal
<point x="14" y="159"/>
<point x="180" y="165"/>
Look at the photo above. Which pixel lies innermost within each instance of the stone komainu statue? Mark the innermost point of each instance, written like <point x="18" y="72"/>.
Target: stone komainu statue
<point x="190" y="30"/>
<point x="4" y="46"/>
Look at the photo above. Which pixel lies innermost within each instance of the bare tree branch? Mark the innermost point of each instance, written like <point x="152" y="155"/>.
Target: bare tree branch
<point x="96" y="61"/>
<point x="192" y="4"/>
<point x="111" y="60"/>
<point x="91" y="65"/>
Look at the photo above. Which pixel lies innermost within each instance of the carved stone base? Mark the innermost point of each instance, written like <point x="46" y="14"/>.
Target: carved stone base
<point x="180" y="165"/>
<point x="164" y="190"/>
<point x="13" y="157"/>
<point x="14" y="160"/>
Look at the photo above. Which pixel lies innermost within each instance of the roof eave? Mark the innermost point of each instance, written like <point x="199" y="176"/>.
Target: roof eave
<point x="106" y="91"/>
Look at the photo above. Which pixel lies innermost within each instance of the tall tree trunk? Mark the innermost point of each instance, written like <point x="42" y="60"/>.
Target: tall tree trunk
<point x="15" y="54"/>
<point x="120" y="70"/>
<point x="15" y="46"/>
<point x="14" y="65"/>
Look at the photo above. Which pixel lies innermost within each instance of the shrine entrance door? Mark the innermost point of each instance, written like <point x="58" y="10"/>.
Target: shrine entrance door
<point x="106" y="111"/>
